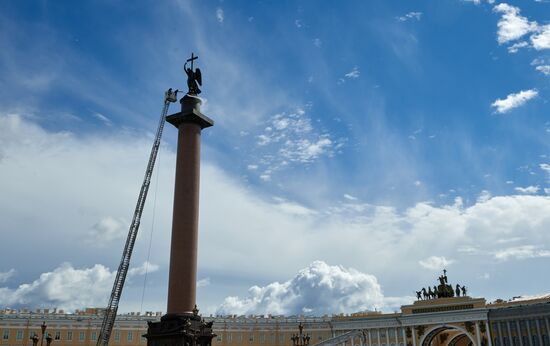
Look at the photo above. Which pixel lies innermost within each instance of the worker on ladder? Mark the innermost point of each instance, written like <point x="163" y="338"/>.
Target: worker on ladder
<point x="171" y="96"/>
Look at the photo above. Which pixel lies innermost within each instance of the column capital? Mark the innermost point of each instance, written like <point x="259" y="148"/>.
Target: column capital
<point x="190" y="113"/>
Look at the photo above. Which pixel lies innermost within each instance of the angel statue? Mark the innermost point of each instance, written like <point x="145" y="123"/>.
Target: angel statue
<point x="194" y="77"/>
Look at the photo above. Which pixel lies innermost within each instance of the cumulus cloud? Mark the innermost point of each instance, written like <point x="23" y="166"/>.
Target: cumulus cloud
<point x="435" y="262"/>
<point x="520" y="252"/>
<point x="541" y="40"/>
<point x="528" y="189"/>
<point x="410" y="15"/>
<point x="65" y="287"/>
<point x="317" y="289"/>
<point x="512" y="25"/>
<point x="5" y="276"/>
<point x="514" y="100"/>
<point x="544" y="69"/>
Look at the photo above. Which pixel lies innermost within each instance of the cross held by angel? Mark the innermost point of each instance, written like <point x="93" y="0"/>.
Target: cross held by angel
<point x="194" y="77"/>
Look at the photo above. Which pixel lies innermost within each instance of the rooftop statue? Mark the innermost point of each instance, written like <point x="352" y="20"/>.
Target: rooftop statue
<point x="194" y="77"/>
<point x="443" y="290"/>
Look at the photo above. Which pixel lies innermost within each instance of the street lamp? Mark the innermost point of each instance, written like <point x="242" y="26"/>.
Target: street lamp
<point x="48" y="336"/>
<point x="300" y="339"/>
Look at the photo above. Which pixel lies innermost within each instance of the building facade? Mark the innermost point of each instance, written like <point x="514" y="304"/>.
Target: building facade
<point x="457" y="321"/>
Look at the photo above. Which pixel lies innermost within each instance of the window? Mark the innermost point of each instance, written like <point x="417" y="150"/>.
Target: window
<point x="240" y="337"/>
<point x="81" y="336"/>
<point x="6" y="334"/>
<point x="281" y="338"/>
<point x="129" y="336"/>
<point x="319" y="337"/>
<point x="117" y="335"/>
<point x="94" y="335"/>
<point x="229" y="337"/>
<point x="262" y="338"/>
<point x="57" y="335"/>
<point x="19" y="335"/>
<point x="219" y="338"/>
<point x="69" y="336"/>
<point x="250" y="337"/>
<point x="272" y="338"/>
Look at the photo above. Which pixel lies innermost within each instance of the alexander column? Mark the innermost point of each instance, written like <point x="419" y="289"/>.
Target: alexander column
<point x="182" y="325"/>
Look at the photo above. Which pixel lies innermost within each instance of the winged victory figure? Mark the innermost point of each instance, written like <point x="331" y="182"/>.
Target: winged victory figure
<point x="194" y="79"/>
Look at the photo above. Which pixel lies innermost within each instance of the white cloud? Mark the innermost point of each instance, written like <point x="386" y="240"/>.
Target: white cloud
<point x="219" y="14"/>
<point x="484" y="196"/>
<point x="435" y="262"/>
<point x="5" y="276"/>
<point x="354" y="73"/>
<point x="512" y="25"/>
<point x="477" y="2"/>
<point x="109" y="165"/>
<point x="203" y="282"/>
<point x="410" y="15"/>
<point x="317" y="42"/>
<point x="143" y="269"/>
<point x="544" y="69"/>
<point x="298" y="23"/>
<point x="350" y="197"/>
<point x="541" y="40"/>
<point x="107" y="230"/>
<point x="292" y="208"/>
<point x="318" y="289"/>
<point x="103" y="118"/>
<point x="290" y="138"/>
<point x="527" y="190"/>
<point x="65" y="287"/>
<point x="545" y="167"/>
<point x="516" y="46"/>
<point x="520" y="252"/>
<point x="514" y="100"/>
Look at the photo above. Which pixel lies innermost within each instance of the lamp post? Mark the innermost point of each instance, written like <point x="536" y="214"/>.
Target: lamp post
<point x="35" y="338"/>
<point x="300" y="339"/>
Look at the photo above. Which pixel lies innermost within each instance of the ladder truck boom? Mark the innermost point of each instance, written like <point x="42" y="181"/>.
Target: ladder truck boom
<point x="111" y="310"/>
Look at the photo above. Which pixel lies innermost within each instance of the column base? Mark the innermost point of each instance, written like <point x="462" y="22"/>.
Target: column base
<point x="180" y="330"/>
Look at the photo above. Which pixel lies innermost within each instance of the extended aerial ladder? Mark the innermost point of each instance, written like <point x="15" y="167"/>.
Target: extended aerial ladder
<point x="111" y="310"/>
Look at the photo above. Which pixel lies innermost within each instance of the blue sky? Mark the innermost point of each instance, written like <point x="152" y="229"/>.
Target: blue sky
<point x="395" y="138"/>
